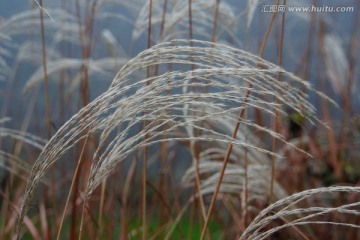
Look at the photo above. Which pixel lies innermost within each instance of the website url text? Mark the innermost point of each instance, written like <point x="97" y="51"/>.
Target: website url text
<point x="317" y="9"/>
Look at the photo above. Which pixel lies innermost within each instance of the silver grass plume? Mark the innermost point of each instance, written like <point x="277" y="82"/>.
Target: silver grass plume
<point x="103" y="66"/>
<point x="221" y="76"/>
<point x="20" y="23"/>
<point x="336" y="62"/>
<point x="21" y="165"/>
<point x="176" y="23"/>
<point x="290" y="208"/>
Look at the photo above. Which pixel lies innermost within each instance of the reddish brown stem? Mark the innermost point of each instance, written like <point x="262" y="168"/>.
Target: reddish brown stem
<point x="276" y="125"/>
<point x="216" y="19"/>
<point x="234" y="134"/>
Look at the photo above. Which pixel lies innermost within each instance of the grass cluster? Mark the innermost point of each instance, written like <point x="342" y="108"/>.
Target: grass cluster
<point x="146" y="119"/>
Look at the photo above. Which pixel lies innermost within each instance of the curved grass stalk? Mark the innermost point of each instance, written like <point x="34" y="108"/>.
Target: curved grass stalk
<point x="233" y="180"/>
<point x="288" y="206"/>
<point x="100" y="66"/>
<point x="114" y="115"/>
<point x="19" y="23"/>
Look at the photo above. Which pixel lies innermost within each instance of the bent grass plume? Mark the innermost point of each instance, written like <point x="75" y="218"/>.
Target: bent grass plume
<point x="223" y="76"/>
<point x="287" y="208"/>
<point x="177" y="17"/>
<point x="8" y="159"/>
